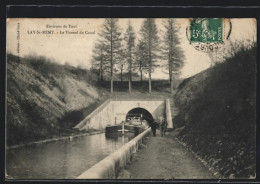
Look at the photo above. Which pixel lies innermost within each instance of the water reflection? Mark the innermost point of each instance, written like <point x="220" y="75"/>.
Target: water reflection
<point x="117" y="137"/>
<point x="62" y="159"/>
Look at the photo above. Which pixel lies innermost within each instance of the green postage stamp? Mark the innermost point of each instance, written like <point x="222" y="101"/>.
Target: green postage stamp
<point x="208" y="34"/>
<point x="206" y="30"/>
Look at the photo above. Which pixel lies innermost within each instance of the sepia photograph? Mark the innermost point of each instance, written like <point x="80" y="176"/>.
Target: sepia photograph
<point x="130" y="98"/>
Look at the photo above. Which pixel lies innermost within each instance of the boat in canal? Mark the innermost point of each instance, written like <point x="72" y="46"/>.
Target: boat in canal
<point x="135" y="124"/>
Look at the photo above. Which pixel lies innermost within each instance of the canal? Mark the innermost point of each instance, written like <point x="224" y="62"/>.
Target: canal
<point x="64" y="159"/>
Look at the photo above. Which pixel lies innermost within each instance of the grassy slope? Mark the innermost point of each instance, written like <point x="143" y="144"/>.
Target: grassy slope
<point x="45" y="100"/>
<point x="218" y="109"/>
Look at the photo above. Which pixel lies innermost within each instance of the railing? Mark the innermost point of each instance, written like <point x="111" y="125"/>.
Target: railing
<point x="111" y="165"/>
<point x="137" y="99"/>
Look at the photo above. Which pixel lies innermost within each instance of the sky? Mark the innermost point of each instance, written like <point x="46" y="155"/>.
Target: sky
<point x="54" y="38"/>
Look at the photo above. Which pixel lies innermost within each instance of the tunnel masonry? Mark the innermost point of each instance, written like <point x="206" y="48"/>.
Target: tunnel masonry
<point x="115" y="111"/>
<point x="112" y="112"/>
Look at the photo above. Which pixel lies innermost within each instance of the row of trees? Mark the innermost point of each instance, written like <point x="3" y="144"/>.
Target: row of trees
<point x="114" y="52"/>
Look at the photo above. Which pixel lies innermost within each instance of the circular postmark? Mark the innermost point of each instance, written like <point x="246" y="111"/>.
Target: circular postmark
<point x="208" y="34"/>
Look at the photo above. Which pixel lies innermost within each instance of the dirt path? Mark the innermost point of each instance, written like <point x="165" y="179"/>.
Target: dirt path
<point x="165" y="158"/>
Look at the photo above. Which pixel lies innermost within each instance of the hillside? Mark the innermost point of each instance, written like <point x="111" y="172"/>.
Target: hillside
<point x="218" y="112"/>
<point x="45" y="99"/>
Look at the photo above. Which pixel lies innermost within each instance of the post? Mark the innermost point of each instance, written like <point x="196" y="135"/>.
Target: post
<point x="168" y="114"/>
<point x="123" y="139"/>
<point x="123" y="128"/>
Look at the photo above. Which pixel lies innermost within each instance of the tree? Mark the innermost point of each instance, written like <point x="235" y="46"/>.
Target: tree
<point x="150" y="40"/>
<point x="112" y="42"/>
<point x="129" y="50"/>
<point x="120" y="63"/>
<point x="99" y="60"/>
<point x="141" y="57"/>
<point x="171" y="51"/>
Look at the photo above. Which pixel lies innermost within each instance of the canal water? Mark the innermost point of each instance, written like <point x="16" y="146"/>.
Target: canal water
<point x="65" y="159"/>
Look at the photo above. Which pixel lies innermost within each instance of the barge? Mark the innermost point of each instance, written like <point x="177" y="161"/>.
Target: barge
<point x="127" y="127"/>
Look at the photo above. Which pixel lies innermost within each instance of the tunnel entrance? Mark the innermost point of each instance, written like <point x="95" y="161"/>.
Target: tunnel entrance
<point x="139" y="113"/>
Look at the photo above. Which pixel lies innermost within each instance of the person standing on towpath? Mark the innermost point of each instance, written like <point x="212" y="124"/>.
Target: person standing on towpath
<point x="162" y="125"/>
<point x="153" y="126"/>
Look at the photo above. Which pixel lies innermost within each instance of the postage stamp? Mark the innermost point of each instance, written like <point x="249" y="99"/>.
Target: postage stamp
<point x="207" y="34"/>
<point x="206" y="30"/>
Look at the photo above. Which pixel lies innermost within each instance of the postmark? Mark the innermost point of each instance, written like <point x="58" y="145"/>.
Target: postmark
<point x="208" y="34"/>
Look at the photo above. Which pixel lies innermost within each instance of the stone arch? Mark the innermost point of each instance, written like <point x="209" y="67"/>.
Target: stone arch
<point x="146" y="115"/>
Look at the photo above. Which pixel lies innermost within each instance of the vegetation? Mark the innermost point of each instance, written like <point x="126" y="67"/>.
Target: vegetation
<point x="112" y="55"/>
<point x="217" y="106"/>
<point x="129" y="50"/>
<point x="46" y="100"/>
<point x="171" y="51"/>
<point x="218" y="110"/>
<point x="112" y="45"/>
<point x="141" y="59"/>
<point x="99" y="60"/>
<point x="42" y="94"/>
<point x="150" y="41"/>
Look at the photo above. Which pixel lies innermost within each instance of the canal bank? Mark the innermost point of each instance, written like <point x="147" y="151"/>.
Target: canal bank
<point x="110" y="167"/>
<point x="45" y="141"/>
<point x="164" y="158"/>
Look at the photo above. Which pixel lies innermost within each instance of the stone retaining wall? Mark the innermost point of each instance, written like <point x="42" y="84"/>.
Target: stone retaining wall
<point x="112" y="112"/>
<point x="110" y="166"/>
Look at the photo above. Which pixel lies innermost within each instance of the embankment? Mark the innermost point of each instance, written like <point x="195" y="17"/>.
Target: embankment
<point x="218" y="110"/>
<point x="45" y="100"/>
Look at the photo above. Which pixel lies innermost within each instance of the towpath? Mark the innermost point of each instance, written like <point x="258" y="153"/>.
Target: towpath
<point x="165" y="158"/>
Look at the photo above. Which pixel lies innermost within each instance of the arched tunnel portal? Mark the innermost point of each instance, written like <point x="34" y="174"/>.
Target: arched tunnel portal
<point x="140" y="113"/>
<point x="113" y="112"/>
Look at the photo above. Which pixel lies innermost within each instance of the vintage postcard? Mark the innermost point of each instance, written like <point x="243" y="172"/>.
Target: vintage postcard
<point x="131" y="98"/>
